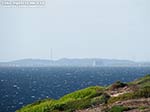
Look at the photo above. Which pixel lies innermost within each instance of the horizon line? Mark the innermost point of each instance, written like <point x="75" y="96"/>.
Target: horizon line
<point x="123" y="59"/>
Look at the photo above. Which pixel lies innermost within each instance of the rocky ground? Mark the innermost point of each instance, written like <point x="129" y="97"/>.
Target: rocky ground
<point x="136" y="105"/>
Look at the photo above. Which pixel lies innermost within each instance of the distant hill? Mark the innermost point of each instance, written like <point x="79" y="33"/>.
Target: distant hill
<point x="72" y="62"/>
<point x="118" y="97"/>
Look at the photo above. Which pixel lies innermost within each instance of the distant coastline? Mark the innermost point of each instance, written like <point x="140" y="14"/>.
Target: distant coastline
<point x="87" y="62"/>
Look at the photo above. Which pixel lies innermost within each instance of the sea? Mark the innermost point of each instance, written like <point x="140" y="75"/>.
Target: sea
<point x="20" y="86"/>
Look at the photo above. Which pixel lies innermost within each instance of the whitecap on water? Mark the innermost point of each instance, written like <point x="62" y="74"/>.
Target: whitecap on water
<point x="58" y="85"/>
<point x="2" y="80"/>
<point x="33" y="89"/>
<point x="20" y="103"/>
<point x="6" y="96"/>
<point x="34" y="82"/>
<point x="68" y="73"/>
<point x="32" y="96"/>
<point x="15" y="86"/>
<point x="12" y="106"/>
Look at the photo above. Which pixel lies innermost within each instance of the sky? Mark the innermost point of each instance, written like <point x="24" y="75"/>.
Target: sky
<point x="114" y="29"/>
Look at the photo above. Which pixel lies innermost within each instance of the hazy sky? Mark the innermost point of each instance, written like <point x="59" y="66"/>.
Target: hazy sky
<point x="117" y="29"/>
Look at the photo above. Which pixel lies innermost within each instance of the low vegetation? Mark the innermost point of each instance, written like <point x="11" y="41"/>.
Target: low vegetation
<point x="118" y="109"/>
<point x="143" y="81"/>
<point x="77" y="100"/>
<point x="93" y="97"/>
<point x="117" y="85"/>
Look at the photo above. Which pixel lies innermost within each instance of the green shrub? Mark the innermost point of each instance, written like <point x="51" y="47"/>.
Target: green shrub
<point x="143" y="92"/>
<point x="118" y="109"/>
<point x="122" y="97"/>
<point x="142" y="107"/>
<point x="84" y="94"/>
<point x="77" y="100"/>
<point x="141" y="82"/>
<point x="117" y="85"/>
<point x="100" y="99"/>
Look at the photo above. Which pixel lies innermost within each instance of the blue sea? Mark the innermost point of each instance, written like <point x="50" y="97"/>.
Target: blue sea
<point x="21" y="86"/>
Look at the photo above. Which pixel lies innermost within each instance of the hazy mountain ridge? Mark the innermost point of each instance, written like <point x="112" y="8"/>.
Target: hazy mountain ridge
<point x="73" y="62"/>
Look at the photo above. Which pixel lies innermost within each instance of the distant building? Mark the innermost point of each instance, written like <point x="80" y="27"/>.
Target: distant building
<point x="94" y="63"/>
